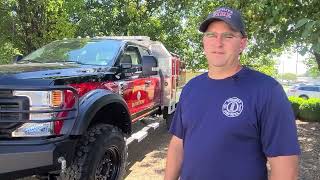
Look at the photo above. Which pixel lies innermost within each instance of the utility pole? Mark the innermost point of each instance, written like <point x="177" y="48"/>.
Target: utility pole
<point x="297" y="61"/>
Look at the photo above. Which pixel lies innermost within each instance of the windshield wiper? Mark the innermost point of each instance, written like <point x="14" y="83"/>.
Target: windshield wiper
<point x="29" y="60"/>
<point x="75" y="62"/>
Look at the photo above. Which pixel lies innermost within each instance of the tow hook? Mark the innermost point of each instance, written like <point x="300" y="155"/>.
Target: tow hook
<point x="63" y="162"/>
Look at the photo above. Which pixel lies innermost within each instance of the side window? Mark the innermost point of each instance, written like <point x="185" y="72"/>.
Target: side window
<point x="304" y="88"/>
<point x="144" y="52"/>
<point x="310" y="88"/>
<point x="131" y="55"/>
<point x="314" y="88"/>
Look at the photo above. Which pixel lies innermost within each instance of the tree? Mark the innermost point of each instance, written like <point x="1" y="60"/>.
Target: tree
<point x="271" y="26"/>
<point x="160" y="20"/>
<point x="294" y="23"/>
<point x="312" y="68"/>
<point x="263" y="63"/>
<point x="260" y="51"/>
<point x="7" y="52"/>
<point x="7" y="49"/>
<point x="34" y="23"/>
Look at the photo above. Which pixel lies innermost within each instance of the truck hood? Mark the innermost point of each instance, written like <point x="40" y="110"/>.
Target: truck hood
<point x="48" y="70"/>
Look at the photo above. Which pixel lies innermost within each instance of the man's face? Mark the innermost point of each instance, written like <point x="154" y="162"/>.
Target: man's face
<point x="222" y="45"/>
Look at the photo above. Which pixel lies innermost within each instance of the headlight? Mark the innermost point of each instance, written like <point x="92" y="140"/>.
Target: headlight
<point x="39" y="100"/>
<point x="34" y="130"/>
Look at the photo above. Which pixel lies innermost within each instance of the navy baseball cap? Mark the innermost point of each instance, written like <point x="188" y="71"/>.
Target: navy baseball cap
<point x="228" y="15"/>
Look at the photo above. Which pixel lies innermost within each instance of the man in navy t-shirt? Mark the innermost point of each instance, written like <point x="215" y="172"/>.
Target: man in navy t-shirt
<point x="232" y="120"/>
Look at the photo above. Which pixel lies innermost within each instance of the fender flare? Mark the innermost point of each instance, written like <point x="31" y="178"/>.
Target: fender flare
<point x="91" y="103"/>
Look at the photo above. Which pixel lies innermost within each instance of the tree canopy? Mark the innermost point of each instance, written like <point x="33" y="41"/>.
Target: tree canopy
<point x="271" y="26"/>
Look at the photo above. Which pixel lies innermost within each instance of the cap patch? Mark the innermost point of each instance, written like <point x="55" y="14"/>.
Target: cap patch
<point x="223" y="12"/>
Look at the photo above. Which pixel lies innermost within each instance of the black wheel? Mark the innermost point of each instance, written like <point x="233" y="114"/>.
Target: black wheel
<point x="101" y="155"/>
<point x="304" y="96"/>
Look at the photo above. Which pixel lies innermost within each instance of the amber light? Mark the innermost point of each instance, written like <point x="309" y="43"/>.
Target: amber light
<point x="68" y="102"/>
<point x="56" y="98"/>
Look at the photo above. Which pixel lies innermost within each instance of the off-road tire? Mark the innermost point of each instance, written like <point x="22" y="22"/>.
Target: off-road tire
<point x="94" y="150"/>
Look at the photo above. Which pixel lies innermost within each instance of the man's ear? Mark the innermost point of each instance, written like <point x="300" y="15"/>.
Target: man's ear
<point x="243" y="44"/>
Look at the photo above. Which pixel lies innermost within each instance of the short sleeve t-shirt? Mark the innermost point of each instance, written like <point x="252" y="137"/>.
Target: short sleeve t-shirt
<point x="230" y="126"/>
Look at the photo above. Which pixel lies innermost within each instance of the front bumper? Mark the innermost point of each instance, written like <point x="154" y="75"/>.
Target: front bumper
<point x="29" y="159"/>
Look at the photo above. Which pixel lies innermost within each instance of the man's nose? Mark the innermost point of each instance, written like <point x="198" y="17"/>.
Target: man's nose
<point x="219" y="41"/>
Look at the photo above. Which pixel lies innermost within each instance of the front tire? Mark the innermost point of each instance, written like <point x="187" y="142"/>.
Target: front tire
<point x="101" y="154"/>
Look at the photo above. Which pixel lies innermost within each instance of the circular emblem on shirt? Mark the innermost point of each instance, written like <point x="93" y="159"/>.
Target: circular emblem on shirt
<point x="232" y="107"/>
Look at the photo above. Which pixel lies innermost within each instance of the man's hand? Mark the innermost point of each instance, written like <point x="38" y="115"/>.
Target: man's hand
<point x="174" y="159"/>
<point x="284" y="167"/>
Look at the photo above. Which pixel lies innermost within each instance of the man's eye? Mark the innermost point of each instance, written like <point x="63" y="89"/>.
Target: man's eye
<point x="210" y="35"/>
<point x="228" y="36"/>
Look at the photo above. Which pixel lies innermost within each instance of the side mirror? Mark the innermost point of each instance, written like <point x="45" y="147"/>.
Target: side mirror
<point x="126" y="66"/>
<point x="126" y="62"/>
<point x="149" y="65"/>
<point x="17" y="58"/>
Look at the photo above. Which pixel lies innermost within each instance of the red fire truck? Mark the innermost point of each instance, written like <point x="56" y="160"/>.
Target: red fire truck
<point x="68" y="107"/>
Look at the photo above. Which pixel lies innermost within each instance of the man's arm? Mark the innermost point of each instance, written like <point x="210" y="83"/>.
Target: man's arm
<point x="174" y="159"/>
<point x="284" y="167"/>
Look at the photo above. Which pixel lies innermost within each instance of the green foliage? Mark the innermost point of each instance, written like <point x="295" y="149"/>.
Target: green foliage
<point x="161" y="20"/>
<point x="263" y="63"/>
<point x="271" y="26"/>
<point x="29" y="25"/>
<point x="295" y="103"/>
<point x="262" y="46"/>
<point x="313" y="70"/>
<point x="302" y="22"/>
<point x="7" y="51"/>
<point x="7" y="36"/>
<point x="306" y="110"/>
<point x="309" y="110"/>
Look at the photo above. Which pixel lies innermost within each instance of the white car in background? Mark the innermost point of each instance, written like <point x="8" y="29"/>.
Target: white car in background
<point x="305" y="91"/>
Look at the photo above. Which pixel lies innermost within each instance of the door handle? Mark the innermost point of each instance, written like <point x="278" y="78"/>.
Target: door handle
<point x="121" y="88"/>
<point x="148" y="82"/>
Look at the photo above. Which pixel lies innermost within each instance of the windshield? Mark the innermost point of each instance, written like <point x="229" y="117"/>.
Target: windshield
<point x="82" y="51"/>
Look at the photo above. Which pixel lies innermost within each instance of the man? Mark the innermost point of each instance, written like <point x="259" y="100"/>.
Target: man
<point x="231" y="120"/>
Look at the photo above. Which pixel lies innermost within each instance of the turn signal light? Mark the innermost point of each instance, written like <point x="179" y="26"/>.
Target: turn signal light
<point x="57" y="98"/>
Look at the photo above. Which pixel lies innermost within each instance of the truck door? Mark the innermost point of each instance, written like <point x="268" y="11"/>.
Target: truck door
<point x="153" y="86"/>
<point x="133" y="87"/>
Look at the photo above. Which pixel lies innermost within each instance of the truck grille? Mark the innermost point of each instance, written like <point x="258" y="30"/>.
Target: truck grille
<point x="12" y="104"/>
<point x="5" y="93"/>
<point x="7" y="107"/>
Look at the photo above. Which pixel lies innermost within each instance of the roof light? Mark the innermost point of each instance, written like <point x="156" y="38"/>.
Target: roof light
<point x="138" y="38"/>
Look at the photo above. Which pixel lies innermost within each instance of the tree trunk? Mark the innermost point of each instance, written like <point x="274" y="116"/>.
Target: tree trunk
<point x="317" y="56"/>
